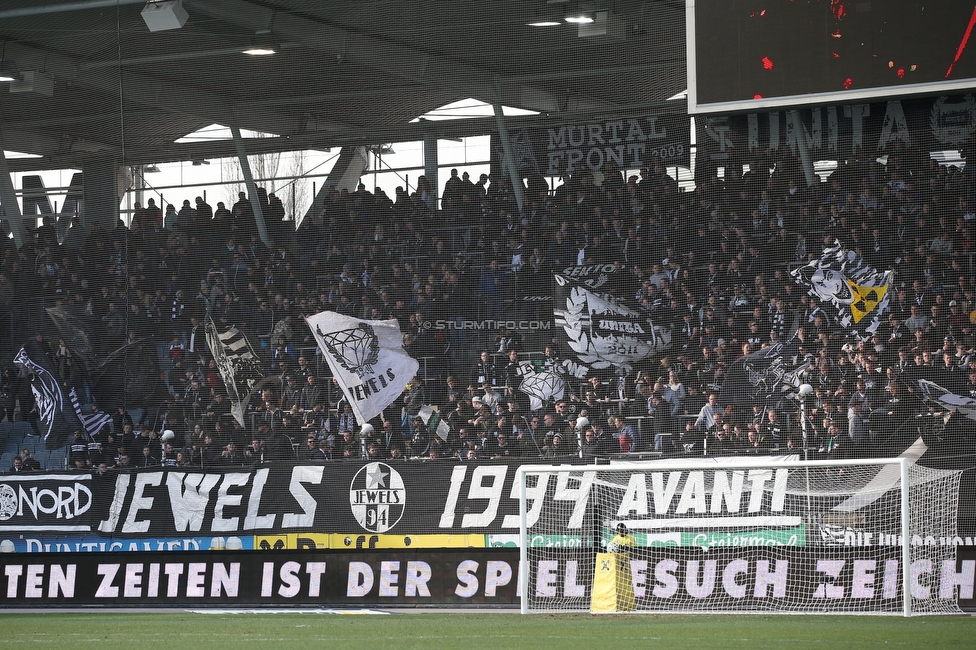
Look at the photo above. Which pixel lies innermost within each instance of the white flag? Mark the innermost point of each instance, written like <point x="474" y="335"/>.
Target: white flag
<point x="367" y="359"/>
<point x="443" y="430"/>
<point x="540" y="386"/>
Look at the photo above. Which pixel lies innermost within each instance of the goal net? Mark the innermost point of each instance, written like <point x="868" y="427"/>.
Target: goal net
<point x="761" y="535"/>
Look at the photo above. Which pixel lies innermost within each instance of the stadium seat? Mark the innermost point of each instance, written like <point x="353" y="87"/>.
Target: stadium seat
<point x="42" y="456"/>
<point x="15" y="438"/>
<point x="57" y="459"/>
<point x="6" y="460"/>
<point x="136" y="414"/>
<point x="23" y="429"/>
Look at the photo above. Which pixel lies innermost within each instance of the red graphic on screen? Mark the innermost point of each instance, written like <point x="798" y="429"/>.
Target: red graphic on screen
<point x="757" y="96"/>
<point x="848" y="83"/>
<point x="757" y="13"/>
<point x="900" y="72"/>
<point x="836" y="56"/>
<point x="962" y="45"/>
<point x="767" y="63"/>
<point x="837" y="8"/>
<point x="839" y="11"/>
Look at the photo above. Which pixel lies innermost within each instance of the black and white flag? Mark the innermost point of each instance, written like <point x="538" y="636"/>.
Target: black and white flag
<point x="541" y="387"/>
<point x="367" y="360"/>
<point x="74" y="326"/>
<point x="56" y="416"/>
<point x="962" y="404"/>
<point x="130" y="374"/>
<point x="603" y="331"/>
<point x="763" y="377"/>
<point x="93" y="422"/>
<point x="857" y="292"/>
<point x="239" y="364"/>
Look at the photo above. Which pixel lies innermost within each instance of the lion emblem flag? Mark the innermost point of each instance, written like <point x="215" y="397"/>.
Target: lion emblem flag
<point x="857" y="292"/>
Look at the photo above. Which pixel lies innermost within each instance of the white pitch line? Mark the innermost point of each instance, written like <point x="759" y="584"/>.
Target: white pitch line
<point x="287" y="611"/>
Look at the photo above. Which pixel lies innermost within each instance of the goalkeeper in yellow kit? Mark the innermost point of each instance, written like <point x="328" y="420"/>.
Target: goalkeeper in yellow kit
<point x="622" y="542"/>
<point x="613" y="588"/>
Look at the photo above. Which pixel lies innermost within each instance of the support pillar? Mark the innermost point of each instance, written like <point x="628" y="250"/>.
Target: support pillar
<point x="801" y="145"/>
<point x="513" y="173"/>
<point x="100" y="194"/>
<point x="252" y="190"/>
<point x="139" y="180"/>
<point x="345" y="175"/>
<point x="8" y="199"/>
<point x="430" y="166"/>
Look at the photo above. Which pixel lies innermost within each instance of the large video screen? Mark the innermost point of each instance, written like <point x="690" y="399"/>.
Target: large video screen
<point x="752" y="54"/>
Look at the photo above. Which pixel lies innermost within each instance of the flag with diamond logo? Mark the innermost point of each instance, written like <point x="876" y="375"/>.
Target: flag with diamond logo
<point x="542" y="386"/>
<point x="367" y="359"/>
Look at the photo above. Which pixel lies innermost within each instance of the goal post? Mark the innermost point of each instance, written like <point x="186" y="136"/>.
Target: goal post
<point x="741" y="535"/>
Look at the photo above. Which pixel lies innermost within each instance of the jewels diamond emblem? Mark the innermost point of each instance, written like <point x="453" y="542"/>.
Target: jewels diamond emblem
<point x="356" y="349"/>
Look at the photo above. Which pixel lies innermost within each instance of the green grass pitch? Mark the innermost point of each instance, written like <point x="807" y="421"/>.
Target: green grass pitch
<point x="492" y="631"/>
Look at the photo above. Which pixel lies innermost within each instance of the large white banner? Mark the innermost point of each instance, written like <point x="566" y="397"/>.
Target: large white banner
<point x="367" y="359"/>
<point x="603" y="331"/>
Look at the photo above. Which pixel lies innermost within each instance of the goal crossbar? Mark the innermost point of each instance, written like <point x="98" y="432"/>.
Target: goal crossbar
<point x="663" y="504"/>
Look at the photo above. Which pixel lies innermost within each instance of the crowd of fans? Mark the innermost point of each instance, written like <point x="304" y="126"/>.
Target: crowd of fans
<point x="713" y="262"/>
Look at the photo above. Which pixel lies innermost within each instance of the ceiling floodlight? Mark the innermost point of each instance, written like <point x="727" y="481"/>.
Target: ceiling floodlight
<point x="11" y="155"/>
<point x="150" y="169"/>
<point x="579" y="18"/>
<point x="263" y="44"/>
<point x="546" y="17"/>
<point x="8" y="72"/>
<point x="579" y="12"/>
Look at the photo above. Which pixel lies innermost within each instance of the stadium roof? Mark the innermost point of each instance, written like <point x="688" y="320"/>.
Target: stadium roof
<point x="346" y="73"/>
